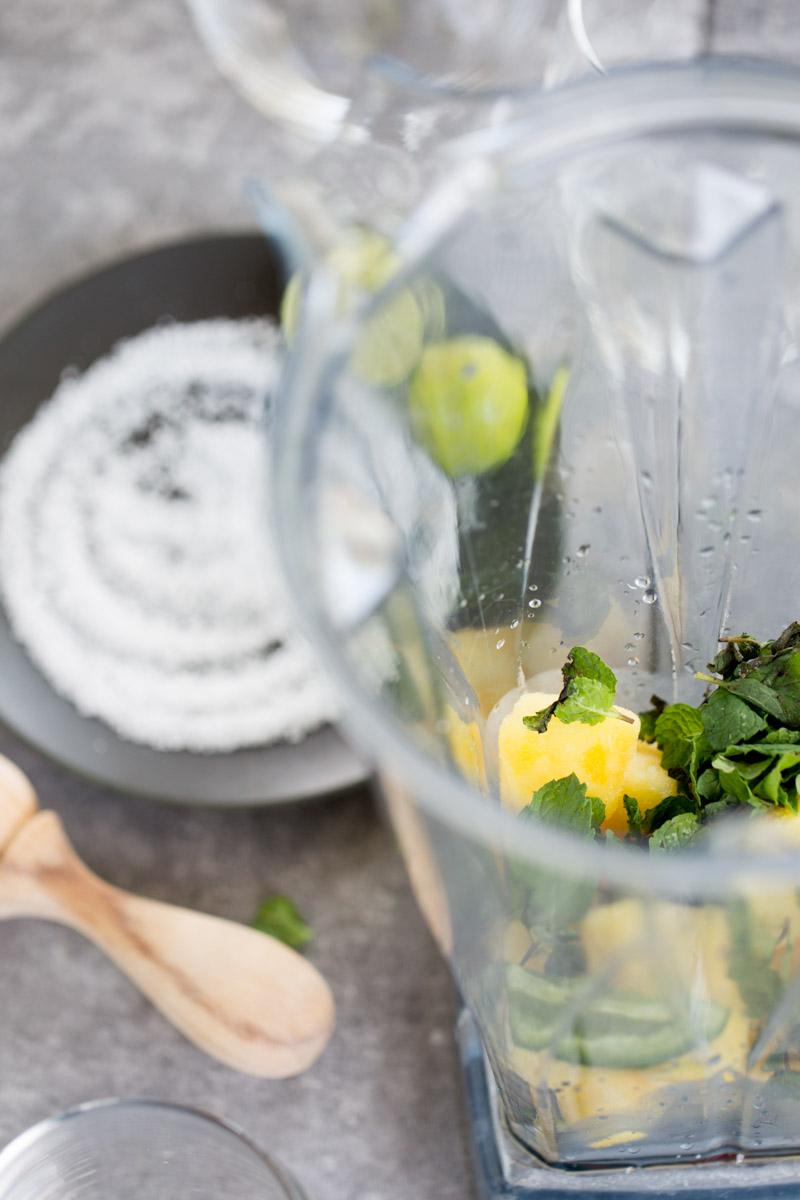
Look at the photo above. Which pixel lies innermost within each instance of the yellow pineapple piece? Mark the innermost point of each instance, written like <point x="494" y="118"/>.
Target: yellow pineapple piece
<point x="607" y="757"/>
<point x="645" y="779"/>
<point x="691" y="943"/>
<point x="600" y="755"/>
<point x="466" y="747"/>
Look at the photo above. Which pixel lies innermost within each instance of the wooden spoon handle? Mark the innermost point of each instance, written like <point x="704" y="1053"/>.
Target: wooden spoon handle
<point x="17" y="801"/>
<point x="243" y="997"/>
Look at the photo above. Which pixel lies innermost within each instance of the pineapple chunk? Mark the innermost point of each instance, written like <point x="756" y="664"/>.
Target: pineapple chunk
<point x="691" y="943"/>
<point x="645" y="779"/>
<point x="607" y="757"/>
<point x="466" y="747"/>
<point x="600" y="755"/>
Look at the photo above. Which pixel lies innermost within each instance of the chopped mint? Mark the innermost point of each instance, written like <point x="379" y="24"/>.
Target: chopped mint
<point x="278" y="917"/>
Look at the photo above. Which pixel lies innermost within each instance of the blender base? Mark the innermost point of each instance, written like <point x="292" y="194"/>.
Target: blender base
<point x="507" y="1171"/>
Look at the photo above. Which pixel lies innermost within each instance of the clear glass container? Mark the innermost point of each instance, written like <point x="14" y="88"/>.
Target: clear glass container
<point x="139" y="1150"/>
<point x="586" y="438"/>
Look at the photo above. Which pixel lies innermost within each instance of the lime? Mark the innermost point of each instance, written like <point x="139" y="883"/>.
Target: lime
<point x="546" y="421"/>
<point x="468" y="401"/>
<point x="391" y="343"/>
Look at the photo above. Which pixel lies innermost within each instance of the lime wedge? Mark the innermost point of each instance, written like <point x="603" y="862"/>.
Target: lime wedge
<point x="391" y="343"/>
<point x="468" y="402"/>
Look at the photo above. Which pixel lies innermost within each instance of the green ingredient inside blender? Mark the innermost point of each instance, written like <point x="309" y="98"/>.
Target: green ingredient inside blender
<point x="740" y="747"/>
<point x="595" y="1009"/>
<point x="616" y="1029"/>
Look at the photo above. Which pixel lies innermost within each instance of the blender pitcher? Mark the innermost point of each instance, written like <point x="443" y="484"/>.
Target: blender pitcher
<point x="592" y="446"/>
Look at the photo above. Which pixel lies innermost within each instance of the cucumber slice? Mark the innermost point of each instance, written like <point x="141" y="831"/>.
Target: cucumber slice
<point x="621" y="1029"/>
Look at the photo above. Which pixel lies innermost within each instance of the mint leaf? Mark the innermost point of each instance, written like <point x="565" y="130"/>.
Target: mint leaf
<point x="647" y="727"/>
<point x="782" y="674"/>
<point x="587" y="695"/>
<point x="585" y="664"/>
<point x="737" y="650"/>
<point x="789" y="737"/>
<point x="278" y="917"/>
<point x="734" y="782"/>
<point x="727" y="720"/>
<point x="634" y="815"/>
<point x="587" y="700"/>
<point x="679" y="730"/>
<point x="551" y="902"/>
<point x="708" y="787"/>
<point x="564" y="804"/>
<point x="756" y="693"/>
<point x="665" y="810"/>
<point x="539" y="721"/>
<point x="675" y="833"/>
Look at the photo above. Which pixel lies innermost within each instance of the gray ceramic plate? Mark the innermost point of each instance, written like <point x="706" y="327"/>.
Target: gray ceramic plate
<point x="219" y="276"/>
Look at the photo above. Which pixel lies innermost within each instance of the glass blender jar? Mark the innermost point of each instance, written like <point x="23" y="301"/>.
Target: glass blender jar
<point x="586" y="438"/>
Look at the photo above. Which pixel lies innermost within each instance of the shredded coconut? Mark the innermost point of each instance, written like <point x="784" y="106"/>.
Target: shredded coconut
<point x="135" y="563"/>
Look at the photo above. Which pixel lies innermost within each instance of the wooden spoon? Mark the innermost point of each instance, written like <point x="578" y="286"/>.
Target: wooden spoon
<point x="243" y="997"/>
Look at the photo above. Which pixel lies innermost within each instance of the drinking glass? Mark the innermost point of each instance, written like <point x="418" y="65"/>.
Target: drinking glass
<point x="139" y="1150"/>
<point x="586" y="438"/>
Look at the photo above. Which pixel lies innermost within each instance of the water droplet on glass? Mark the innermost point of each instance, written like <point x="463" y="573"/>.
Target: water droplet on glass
<point x="639" y="636"/>
<point x="500" y="644"/>
<point x="514" y="623"/>
<point x="706" y="550"/>
<point x="629" y="645"/>
<point x="534" y="604"/>
<point x="642" y="581"/>
<point x="647" y="479"/>
<point x="754" y="515"/>
<point x="582" y="551"/>
<point x="715" y="526"/>
<point x="650" y="596"/>
<point x="745" y="538"/>
<point x="533" y="587"/>
<point x="633" y="661"/>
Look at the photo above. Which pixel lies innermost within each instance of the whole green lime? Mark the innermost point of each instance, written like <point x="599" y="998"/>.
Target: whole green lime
<point x="468" y="402"/>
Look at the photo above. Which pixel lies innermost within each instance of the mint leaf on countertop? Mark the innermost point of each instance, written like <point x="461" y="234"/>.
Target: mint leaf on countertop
<point x="278" y="917"/>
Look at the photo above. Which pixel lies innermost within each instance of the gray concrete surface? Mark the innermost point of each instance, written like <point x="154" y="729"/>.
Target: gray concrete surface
<point x="116" y="134"/>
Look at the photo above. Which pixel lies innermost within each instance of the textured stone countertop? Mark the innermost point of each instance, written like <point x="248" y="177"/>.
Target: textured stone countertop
<point x="117" y="134"/>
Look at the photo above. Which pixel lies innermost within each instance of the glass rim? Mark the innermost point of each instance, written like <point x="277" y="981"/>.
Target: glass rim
<point x="25" y="1142"/>
<point x="739" y="96"/>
